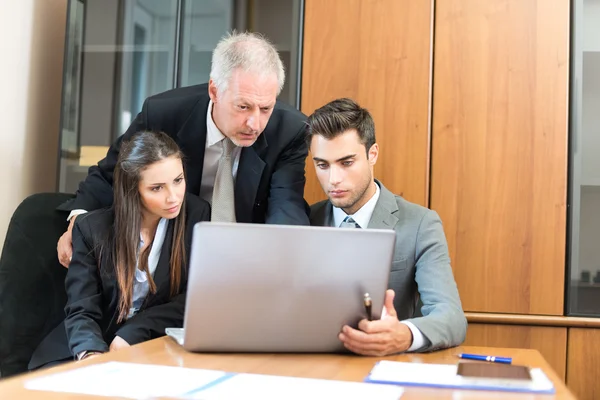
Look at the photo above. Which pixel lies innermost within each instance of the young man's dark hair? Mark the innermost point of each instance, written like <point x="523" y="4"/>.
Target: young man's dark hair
<point x="339" y="116"/>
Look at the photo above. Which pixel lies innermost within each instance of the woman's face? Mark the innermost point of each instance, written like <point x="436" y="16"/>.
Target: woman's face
<point x="162" y="188"/>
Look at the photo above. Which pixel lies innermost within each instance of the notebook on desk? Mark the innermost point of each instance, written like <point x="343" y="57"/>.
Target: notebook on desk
<point x="462" y="376"/>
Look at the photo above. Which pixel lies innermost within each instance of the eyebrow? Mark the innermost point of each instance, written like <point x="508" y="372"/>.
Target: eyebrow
<point x="163" y="183"/>
<point x="338" y="160"/>
<point x="247" y="102"/>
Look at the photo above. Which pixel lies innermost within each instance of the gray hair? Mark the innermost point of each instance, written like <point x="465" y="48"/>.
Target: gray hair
<point x="252" y="52"/>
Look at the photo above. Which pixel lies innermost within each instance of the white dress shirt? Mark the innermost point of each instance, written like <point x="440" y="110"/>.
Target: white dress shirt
<point x="141" y="286"/>
<point x="362" y="218"/>
<point x="212" y="153"/>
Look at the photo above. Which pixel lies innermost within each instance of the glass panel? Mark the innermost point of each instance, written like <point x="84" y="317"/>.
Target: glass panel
<point x="147" y="59"/>
<point x="118" y="53"/>
<point x="584" y="277"/>
<point x="69" y="151"/>
<point x="206" y="21"/>
<point x="72" y="79"/>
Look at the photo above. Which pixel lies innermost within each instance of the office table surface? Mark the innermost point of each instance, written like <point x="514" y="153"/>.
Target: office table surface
<point x="165" y="351"/>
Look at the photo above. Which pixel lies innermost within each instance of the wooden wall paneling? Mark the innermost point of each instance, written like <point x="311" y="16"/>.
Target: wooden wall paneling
<point x="378" y="53"/>
<point x="583" y="363"/>
<point x="499" y="150"/>
<point x="550" y="342"/>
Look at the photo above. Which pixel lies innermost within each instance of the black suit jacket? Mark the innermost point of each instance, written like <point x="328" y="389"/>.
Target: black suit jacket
<point x="93" y="295"/>
<point x="270" y="179"/>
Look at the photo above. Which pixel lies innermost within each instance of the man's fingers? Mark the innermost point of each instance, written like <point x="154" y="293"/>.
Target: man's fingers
<point x="354" y="334"/>
<point x="381" y="325"/>
<point x="361" y="347"/>
<point x="64" y="249"/>
<point x="357" y="336"/>
<point x="63" y="257"/>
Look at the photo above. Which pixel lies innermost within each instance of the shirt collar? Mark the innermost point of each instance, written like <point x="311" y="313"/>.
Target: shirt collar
<point x="213" y="134"/>
<point x="362" y="216"/>
<point x="157" y="243"/>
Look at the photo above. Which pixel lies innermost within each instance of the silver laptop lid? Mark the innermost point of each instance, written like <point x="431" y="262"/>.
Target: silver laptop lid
<point x="276" y="288"/>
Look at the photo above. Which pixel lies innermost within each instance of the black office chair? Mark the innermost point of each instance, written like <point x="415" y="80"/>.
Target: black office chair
<point x="32" y="289"/>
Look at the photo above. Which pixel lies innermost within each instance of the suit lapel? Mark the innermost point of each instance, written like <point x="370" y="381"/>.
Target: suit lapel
<point x="321" y="214"/>
<point x="109" y="284"/>
<point x="192" y="141"/>
<point x="383" y="215"/>
<point x="327" y="214"/>
<point x="249" y="172"/>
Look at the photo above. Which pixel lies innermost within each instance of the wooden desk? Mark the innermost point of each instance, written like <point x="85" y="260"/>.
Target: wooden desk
<point x="164" y="351"/>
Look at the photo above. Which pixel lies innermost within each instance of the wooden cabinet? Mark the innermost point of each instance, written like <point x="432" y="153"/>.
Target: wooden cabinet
<point x="377" y="52"/>
<point x="499" y="150"/>
<point x="551" y="342"/>
<point x="583" y="363"/>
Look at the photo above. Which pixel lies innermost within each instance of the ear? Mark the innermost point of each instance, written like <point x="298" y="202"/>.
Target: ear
<point x="212" y="91"/>
<point x="373" y="153"/>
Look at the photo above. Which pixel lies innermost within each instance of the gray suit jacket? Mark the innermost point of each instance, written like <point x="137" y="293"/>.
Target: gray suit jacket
<point x="420" y="268"/>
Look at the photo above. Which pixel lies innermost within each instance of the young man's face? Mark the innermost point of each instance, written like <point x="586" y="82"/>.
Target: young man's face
<point x="242" y="110"/>
<point x="344" y="170"/>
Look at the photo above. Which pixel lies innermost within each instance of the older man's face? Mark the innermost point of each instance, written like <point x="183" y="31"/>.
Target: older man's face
<point x="242" y="110"/>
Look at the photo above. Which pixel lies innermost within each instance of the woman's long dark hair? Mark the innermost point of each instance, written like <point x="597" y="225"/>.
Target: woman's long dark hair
<point x="135" y="155"/>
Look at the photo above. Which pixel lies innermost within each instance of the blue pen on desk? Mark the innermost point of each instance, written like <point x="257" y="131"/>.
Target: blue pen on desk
<point x="503" y="360"/>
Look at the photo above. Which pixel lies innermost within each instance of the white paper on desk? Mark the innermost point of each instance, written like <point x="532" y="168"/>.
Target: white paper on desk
<point x="139" y="381"/>
<point x="266" y="387"/>
<point x="118" y="379"/>
<point x="444" y="376"/>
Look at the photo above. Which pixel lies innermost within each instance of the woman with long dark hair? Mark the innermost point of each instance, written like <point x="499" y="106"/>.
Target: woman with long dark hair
<point x="128" y="274"/>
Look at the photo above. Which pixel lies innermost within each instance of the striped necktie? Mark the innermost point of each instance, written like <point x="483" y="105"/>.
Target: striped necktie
<point x="348" y="222"/>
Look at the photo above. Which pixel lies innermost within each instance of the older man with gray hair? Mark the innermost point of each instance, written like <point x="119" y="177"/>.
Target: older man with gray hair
<point x="244" y="150"/>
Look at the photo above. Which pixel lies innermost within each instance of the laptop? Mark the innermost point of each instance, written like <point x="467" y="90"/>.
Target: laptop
<point x="280" y="288"/>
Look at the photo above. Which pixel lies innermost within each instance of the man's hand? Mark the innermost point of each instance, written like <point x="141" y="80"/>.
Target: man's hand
<point x="118" y="343"/>
<point x="378" y="338"/>
<point x="64" y="248"/>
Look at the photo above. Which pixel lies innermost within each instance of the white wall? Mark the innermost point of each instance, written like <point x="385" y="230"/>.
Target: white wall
<point x="31" y="44"/>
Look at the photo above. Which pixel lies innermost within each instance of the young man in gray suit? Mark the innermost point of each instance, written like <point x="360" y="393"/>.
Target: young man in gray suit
<point x="341" y="138"/>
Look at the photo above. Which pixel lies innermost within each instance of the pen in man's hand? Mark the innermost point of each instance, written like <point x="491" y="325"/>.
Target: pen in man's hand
<point x="368" y="306"/>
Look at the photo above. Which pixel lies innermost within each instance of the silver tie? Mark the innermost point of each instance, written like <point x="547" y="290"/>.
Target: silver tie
<point x="223" y="198"/>
<point x="348" y="222"/>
